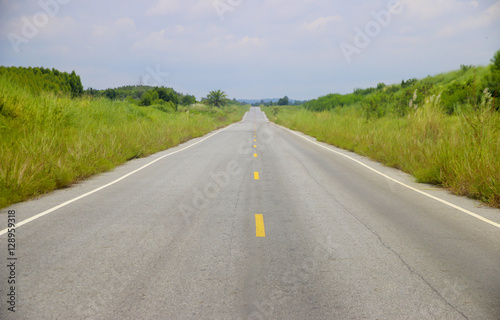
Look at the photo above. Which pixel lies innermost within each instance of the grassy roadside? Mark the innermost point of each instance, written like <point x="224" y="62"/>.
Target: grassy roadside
<point x="459" y="152"/>
<point x="49" y="142"/>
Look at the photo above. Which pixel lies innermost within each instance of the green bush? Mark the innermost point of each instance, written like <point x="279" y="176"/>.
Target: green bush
<point x="460" y="152"/>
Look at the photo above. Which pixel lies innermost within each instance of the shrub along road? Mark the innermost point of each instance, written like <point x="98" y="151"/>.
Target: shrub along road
<point x="253" y="222"/>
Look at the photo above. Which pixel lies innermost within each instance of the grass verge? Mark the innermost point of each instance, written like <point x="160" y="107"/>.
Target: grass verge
<point x="459" y="152"/>
<point x="49" y="142"/>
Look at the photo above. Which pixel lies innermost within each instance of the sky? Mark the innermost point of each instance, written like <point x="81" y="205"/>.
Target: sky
<point x="251" y="49"/>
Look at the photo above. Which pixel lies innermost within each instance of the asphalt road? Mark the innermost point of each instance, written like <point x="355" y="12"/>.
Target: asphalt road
<point x="252" y="222"/>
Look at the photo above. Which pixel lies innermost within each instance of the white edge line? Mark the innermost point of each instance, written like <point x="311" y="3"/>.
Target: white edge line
<point x="475" y="215"/>
<point x="4" y="231"/>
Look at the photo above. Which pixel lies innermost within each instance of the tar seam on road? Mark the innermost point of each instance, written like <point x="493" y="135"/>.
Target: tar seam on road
<point x="110" y="184"/>
<point x="470" y="213"/>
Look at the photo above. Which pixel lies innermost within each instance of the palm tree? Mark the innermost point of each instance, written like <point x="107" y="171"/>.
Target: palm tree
<point x="217" y="98"/>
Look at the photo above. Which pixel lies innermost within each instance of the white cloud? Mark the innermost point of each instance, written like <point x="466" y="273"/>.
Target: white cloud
<point x="233" y="50"/>
<point x="164" y="7"/>
<point x="250" y="41"/>
<point x="230" y="41"/>
<point x="51" y="28"/>
<point x="156" y="42"/>
<point x="122" y="26"/>
<point x="475" y="4"/>
<point x="202" y="8"/>
<point x="485" y="19"/>
<point x="59" y="27"/>
<point x="429" y="9"/>
<point x="321" y="23"/>
<point x="61" y="50"/>
<point x="224" y="39"/>
<point x="493" y="12"/>
<point x="185" y="9"/>
<point x="179" y="29"/>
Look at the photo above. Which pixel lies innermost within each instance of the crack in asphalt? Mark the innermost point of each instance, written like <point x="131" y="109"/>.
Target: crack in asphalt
<point x="381" y="241"/>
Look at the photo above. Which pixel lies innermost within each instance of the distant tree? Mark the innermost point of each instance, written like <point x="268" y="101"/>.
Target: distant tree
<point x="188" y="100"/>
<point x="283" y="101"/>
<point x="155" y="96"/>
<point x="75" y="84"/>
<point x="146" y="99"/>
<point x="496" y="61"/>
<point x="110" y="94"/>
<point x="167" y="94"/>
<point x="408" y="83"/>
<point x="465" y="68"/>
<point x="363" y="92"/>
<point x="236" y="102"/>
<point x="217" y="98"/>
<point x="92" y="92"/>
<point x="494" y="78"/>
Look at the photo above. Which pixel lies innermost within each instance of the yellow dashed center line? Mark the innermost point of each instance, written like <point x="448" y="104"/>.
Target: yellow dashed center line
<point x="260" y="230"/>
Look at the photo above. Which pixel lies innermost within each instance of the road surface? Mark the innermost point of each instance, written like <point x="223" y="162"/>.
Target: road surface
<point x="252" y="222"/>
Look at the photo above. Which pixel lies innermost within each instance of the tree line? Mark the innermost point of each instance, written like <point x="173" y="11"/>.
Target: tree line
<point x="43" y="79"/>
<point x="143" y="95"/>
<point x="285" y="101"/>
<point x="38" y="79"/>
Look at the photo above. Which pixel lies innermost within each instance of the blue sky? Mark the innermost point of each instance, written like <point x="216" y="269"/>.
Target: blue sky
<point x="249" y="48"/>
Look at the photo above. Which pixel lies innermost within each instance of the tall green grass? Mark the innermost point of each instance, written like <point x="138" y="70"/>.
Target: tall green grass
<point x="460" y="152"/>
<point x="49" y="142"/>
